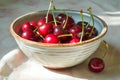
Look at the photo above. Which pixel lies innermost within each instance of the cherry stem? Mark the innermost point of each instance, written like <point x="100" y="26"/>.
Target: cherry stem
<point x="53" y="8"/>
<point x="107" y="48"/>
<point x="65" y="35"/>
<point x="35" y="30"/>
<point x="40" y="35"/>
<point x="81" y="15"/>
<point x="91" y="17"/>
<point x="66" y="20"/>
<point x="48" y="11"/>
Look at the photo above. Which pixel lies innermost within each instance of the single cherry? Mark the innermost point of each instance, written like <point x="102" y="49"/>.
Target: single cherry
<point x="29" y="35"/>
<point x="60" y="17"/>
<point x="33" y="23"/>
<point x="74" y="40"/>
<point x="67" y="23"/>
<point x="41" y="22"/>
<point x="75" y="31"/>
<point x="45" y="29"/>
<point x="58" y="30"/>
<point x="96" y="65"/>
<point x="51" y="38"/>
<point x="49" y="18"/>
<point x="27" y="26"/>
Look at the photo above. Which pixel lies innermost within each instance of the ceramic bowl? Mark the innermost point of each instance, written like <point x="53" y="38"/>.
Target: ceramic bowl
<point x="58" y="55"/>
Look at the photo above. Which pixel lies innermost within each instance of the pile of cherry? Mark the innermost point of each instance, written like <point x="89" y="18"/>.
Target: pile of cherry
<point x="61" y="30"/>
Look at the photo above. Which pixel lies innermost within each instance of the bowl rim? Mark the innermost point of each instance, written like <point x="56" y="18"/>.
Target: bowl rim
<point x="15" y="35"/>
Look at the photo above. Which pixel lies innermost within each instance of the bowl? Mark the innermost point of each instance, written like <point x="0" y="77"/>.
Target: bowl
<point x="58" y="56"/>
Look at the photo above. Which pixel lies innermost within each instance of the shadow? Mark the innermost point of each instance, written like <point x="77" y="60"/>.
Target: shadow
<point x="112" y="66"/>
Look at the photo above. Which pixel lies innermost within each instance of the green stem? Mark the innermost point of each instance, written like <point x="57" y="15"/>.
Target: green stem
<point x="91" y="17"/>
<point x="48" y="11"/>
<point x="81" y="15"/>
<point x="53" y="8"/>
<point x="107" y="48"/>
<point x="64" y="35"/>
<point x="66" y="20"/>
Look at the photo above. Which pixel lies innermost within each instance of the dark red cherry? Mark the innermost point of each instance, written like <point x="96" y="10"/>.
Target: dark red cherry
<point x="41" y="22"/>
<point x="96" y="65"/>
<point x="27" y="26"/>
<point x="49" y="18"/>
<point x="33" y="23"/>
<point x="58" y="30"/>
<point x="29" y="35"/>
<point x="51" y="38"/>
<point x="60" y="17"/>
<point x="75" y="31"/>
<point x="45" y="29"/>
<point x="74" y="40"/>
<point x="65" y="37"/>
<point x="69" y="24"/>
<point x="85" y="23"/>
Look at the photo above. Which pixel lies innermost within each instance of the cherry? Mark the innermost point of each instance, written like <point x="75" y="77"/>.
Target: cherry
<point x="29" y="34"/>
<point x="27" y="26"/>
<point x="45" y="29"/>
<point x="51" y="38"/>
<point x="41" y="22"/>
<point x="85" y="23"/>
<point x="74" y="40"/>
<point x="33" y="23"/>
<point x="96" y="65"/>
<point x="58" y="30"/>
<point x="65" y="37"/>
<point x="60" y="17"/>
<point x="75" y="31"/>
<point x="49" y="18"/>
<point x="67" y="24"/>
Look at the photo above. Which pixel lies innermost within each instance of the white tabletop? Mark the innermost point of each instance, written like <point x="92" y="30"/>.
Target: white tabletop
<point x="108" y="10"/>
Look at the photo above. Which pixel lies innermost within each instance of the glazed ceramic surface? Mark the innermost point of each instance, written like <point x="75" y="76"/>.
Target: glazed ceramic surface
<point x="58" y="55"/>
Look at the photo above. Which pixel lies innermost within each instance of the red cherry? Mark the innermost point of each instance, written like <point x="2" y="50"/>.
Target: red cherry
<point x="96" y="65"/>
<point x="45" y="29"/>
<point x="28" y="34"/>
<point x="60" y="17"/>
<point x="85" y="23"/>
<point x="51" y="38"/>
<point x="69" y="24"/>
<point x="58" y="30"/>
<point x="75" y="31"/>
<point x="33" y="23"/>
<point x="27" y="26"/>
<point x="41" y="22"/>
<point x="49" y="18"/>
<point x="74" y="41"/>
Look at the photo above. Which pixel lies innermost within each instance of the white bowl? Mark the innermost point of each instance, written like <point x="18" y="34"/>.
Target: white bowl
<point x="58" y="55"/>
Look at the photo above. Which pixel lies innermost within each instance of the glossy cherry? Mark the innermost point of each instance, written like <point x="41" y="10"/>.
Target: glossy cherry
<point x="49" y="18"/>
<point x="41" y="22"/>
<point x="27" y="26"/>
<point x="58" y="30"/>
<point x="75" y="31"/>
<point x="96" y="65"/>
<point x="45" y="29"/>
<point x="74" y="41"/>
<point x="29" y="35"/>
<point x="51" y="38"/>
<point x="33" y="23"/>
<point x="60" y="17"/>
